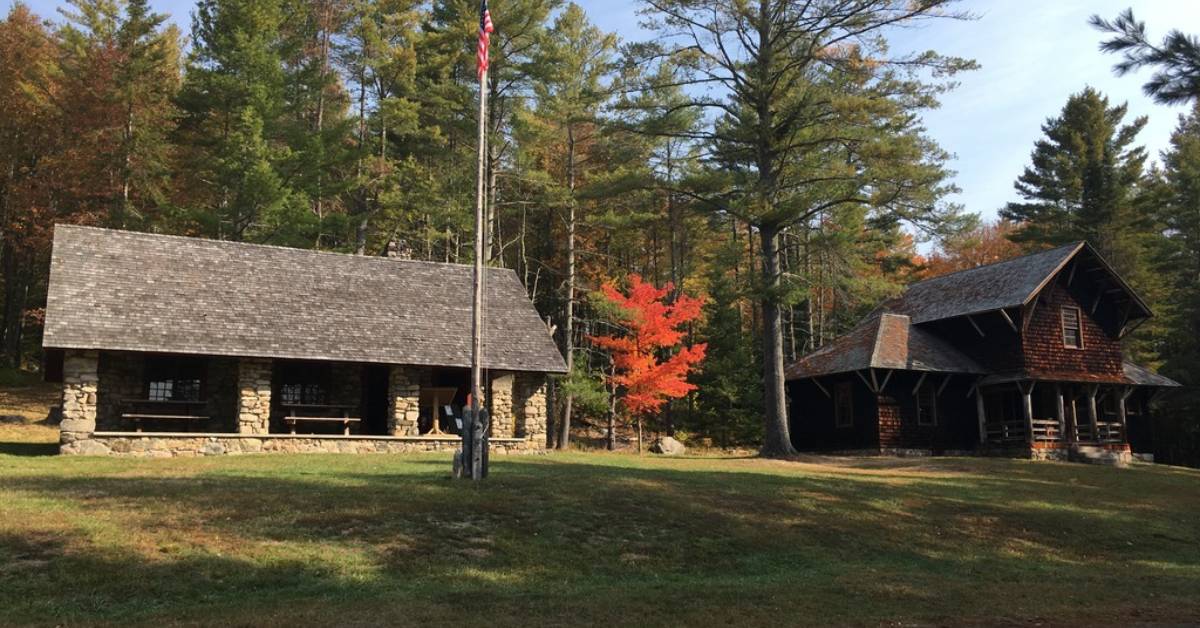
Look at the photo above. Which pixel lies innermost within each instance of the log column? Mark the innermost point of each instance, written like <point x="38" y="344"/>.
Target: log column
<point x="982" y="415"/>
<point x="1027" y="408"/>
<point x="1062" y="413"/>
<point x="1092" y="419"/>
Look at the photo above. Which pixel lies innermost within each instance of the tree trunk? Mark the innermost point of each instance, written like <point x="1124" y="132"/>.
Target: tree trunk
<point x="14" y="308"/>
<point x="564" y="436"/>
<point x="611" y="436"/>
<point x="639" y="426"/>
<point x="778" y="441"/>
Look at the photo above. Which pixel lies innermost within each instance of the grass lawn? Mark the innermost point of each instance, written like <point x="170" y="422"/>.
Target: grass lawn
<point x="591" y="539"/>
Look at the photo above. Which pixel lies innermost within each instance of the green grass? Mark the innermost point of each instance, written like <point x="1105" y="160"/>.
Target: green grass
<point x="594" y="539"/>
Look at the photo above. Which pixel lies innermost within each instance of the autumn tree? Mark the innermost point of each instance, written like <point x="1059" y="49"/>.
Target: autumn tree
<point x="649" y="365"/>
<point x="985" y="242"/>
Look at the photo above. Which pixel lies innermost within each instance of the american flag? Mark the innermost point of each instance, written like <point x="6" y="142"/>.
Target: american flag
<point x="485" y="38"/>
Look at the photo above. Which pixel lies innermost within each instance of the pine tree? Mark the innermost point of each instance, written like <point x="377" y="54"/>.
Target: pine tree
<point x="1178" y="433"/>
<point x="812" y="113"/>
<point x="233" y="127"/>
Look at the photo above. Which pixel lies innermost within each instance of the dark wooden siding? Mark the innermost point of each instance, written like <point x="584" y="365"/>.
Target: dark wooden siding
<point x="811" y="417"/>
<point x="998" y="350"/>
<point x="1043" y="340"/>
<point x="957" y="422"/>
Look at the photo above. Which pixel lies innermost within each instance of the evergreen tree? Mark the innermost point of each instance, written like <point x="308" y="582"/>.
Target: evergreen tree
<point x="812" y="113"/>
<point x="1177" y="58"/>
<point x="1084" y="183"/>
<point x="234" y="127"/>
<point x="1178" y="433"/>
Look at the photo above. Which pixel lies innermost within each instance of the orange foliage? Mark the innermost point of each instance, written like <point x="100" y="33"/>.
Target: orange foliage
<point x="652" y="325"/>
<point x="985" y="244"/>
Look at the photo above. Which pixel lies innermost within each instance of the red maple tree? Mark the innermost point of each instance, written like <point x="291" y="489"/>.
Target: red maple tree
<point x="652" y="328"/>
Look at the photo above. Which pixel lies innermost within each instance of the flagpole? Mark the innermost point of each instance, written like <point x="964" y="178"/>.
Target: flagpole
<point x="477" y="300"/>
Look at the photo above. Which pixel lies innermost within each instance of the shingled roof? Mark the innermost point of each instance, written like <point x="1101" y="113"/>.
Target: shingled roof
<point x="1007" y="284"/>
<point x="886" y="341"/>
<point x="120" y="290"/>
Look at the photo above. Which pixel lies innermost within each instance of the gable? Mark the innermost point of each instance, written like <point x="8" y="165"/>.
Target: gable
<point x="120" y="290"/>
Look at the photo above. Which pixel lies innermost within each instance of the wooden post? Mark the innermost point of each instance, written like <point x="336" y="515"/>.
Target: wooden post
<point x="1027" y="406"/>
<point x="982" y="415"/>
<point x="1091" y="393"/>
<point x="1062" y="413"/>
<point x="1124" y="394"/>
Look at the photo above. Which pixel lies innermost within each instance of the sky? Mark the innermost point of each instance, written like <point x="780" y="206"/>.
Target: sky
<point x="1033" y="55"/>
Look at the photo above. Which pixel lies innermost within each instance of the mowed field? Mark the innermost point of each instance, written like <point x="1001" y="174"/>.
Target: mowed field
<point x="588" y="539"/>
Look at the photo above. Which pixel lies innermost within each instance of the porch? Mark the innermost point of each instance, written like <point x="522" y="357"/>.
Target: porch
<point x="1053" y="419"/>
<point x="133" y="403"/>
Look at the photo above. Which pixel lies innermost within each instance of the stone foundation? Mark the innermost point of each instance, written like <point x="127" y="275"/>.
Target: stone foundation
<point x="169" y="445"/>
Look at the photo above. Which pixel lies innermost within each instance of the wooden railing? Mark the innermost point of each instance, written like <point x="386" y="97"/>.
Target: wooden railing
<point x="1006" y="431"/>
<point x="1109" y="432"/>
<point x="1044" y="430"/>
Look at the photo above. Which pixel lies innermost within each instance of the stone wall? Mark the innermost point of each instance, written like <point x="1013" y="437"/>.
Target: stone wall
<point x="254" y="396"/>
<point x="81" y="374"/>
<point x="404" y="398"/>
<point x="500" y="402"/>
<point x="529" y="405"/>
<point x="169" y="445"/>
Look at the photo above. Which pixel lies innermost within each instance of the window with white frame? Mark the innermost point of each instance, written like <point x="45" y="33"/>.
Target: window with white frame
<point x="843" y="405"/>
<point x="1072" y="328"/>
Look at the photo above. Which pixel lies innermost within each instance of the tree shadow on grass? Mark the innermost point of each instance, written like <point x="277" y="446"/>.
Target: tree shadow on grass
<point x="8" y="448"/>
<point x="571" y="540"/>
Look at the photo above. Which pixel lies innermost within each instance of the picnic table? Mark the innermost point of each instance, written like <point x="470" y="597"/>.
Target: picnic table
<point x="320" y="413"/>
<point x="138" y="410"/>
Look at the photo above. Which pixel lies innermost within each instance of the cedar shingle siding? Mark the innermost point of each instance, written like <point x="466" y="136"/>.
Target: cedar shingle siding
<point x="125" y="291"/>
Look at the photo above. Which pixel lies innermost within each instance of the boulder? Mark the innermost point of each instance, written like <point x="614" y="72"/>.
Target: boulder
<point x="668" y="447"/>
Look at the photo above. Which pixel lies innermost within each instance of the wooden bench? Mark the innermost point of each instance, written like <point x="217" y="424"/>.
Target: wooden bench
<point x="138" y="412"/>
<point x="292" y="419"/>
<point x="346" y="421"/>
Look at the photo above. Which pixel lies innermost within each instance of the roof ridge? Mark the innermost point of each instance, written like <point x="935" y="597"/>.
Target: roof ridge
<point x="996" y="263"/>
<point x="213" y="241"/>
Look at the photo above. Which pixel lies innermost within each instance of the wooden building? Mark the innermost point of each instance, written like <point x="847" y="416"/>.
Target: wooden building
<point x="178" y="346"/>
<point x="1021" y="357"/>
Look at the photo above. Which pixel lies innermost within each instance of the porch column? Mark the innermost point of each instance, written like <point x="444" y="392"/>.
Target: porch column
<point x="80" y="380"/>
<point x="1027" y="407"/>
<point x="500" y="397"/>
<point x="254" y="395"/>
<point x="982" y="415"/>
<point x="529" y="403"/>
<point x="404" y="399"/>
<point x="1123" y="394"/>
<point x="1091" y="393"/>
<point x="1062" y="413"/>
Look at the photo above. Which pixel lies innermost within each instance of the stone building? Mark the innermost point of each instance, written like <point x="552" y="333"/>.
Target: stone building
<point x="1021" y="357"/>
<point x="180" y="346"/>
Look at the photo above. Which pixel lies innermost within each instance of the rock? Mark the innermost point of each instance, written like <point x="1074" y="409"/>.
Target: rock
<point x="668" y="446"/>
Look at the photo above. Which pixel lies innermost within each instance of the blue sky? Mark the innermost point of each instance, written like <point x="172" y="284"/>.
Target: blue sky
<point x="1033" y="53"/>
